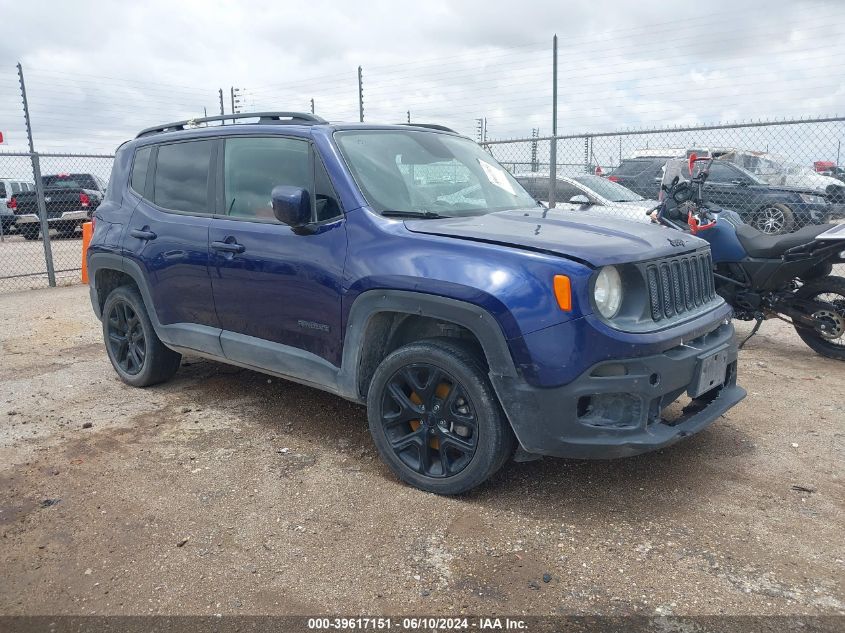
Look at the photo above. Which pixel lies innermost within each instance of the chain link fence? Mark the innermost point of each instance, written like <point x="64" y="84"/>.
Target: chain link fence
<point x="779" y="176"/>
<point x="72" y="186"/>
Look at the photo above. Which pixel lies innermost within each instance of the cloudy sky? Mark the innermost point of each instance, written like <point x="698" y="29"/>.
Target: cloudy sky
<point x="97" y="72"/>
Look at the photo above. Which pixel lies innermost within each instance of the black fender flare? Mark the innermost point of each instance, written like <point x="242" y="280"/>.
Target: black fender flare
<point x="373" y="302"/>
<point x="113" y="261"/>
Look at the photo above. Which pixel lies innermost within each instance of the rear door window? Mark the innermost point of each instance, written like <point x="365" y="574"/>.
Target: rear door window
<point x="537" y="187"/>
<point x="632" y="167"/>
<point x="566" y="191"/>
<point x="181" y="176"/>
<point x="2" y="189"/>
<point x="721" y="172"/>
<point x="16" y="187"/>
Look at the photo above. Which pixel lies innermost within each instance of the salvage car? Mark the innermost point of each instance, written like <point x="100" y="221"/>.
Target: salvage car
<point x="587" y="192"/>
<point x="474" y="325"/>
<point x="772" y="209"/>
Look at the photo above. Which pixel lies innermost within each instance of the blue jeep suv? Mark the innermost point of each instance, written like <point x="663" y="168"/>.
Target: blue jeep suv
<point x="402" y="267"/>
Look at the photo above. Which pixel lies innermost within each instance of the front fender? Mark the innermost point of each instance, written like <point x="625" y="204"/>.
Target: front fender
<point x="373" y="302"/>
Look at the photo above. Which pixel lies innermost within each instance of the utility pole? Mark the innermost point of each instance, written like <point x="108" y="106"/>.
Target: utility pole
<point x="39" y="186"/>
<point x="553" y="157"/>
<point x="360" y="94"/>
<point x="535" y="133"/>
<point x="238" y="100"/>
<point x="481" y="129"/>
<point x="409" y="116"/>
<point x="222" y="111"/>
<point x="312" y="105"/>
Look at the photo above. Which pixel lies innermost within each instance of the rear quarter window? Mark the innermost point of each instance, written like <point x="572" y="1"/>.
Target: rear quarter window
<point x="140" y="165"/>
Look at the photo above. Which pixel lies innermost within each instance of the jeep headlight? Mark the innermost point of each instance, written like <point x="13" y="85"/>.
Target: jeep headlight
<point x="607" y="292"/>
<point x="812" y="199"/>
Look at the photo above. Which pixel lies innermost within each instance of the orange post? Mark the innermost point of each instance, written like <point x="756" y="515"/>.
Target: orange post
<point x="87" y="230"/>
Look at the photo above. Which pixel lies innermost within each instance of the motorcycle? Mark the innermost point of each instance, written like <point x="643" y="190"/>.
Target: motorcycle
<point x="762" y="276"/>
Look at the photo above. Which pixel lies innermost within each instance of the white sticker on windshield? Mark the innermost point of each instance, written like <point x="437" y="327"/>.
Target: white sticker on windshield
<point x="497" y="176"/>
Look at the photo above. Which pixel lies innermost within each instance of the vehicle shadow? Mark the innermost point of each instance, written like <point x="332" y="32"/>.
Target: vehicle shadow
<point x="637" y="488"/>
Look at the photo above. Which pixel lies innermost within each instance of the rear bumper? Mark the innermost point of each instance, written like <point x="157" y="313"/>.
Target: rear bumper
<point x="81" y="215"/>
<point x="617" y="407"/>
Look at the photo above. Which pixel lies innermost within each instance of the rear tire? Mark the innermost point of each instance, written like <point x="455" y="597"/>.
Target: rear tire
<point x="435" y="418"/>
<point x="831" y="290"/>
<point x="774" y="219"/>
<point x="134" y="349"/>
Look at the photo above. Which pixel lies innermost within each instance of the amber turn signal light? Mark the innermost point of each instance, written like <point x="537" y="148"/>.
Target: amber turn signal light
<point x="563" y="292"/>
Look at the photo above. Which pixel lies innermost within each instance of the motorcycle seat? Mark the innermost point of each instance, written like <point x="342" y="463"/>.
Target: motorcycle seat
<point x="759" y="244"/>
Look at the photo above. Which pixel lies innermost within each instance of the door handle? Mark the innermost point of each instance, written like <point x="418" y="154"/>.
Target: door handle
<point x="228" y="247"/>
<point x="142" y="234"/>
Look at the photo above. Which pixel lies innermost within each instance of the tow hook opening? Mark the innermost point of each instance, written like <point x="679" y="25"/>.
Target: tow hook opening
<point x="610" y="410"/>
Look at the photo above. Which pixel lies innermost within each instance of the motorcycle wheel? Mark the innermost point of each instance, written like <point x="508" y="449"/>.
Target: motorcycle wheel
<point x="828" y="290"/>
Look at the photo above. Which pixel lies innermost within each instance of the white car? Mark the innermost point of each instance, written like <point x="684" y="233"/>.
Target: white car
<point x="589" y="193"/>
<point x="8" y="188"/>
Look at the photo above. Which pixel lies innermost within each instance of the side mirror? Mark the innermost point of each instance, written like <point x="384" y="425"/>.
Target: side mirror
<point x="291" y="205"/>
<point x="580" y="199"/>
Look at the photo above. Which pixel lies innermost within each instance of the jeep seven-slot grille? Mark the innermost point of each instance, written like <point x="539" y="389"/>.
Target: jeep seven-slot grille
<point x="680" y="284"/>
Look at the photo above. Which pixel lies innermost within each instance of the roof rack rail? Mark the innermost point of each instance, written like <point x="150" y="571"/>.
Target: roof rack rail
<point x="431" y="126"/>
<point x="298" y="118"/>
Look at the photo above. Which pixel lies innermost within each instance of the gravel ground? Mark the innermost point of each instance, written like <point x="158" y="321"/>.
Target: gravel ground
<point x="225" y="491"/>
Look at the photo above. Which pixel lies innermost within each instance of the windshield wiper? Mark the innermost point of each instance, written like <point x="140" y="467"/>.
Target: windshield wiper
<point x="413" y="214"/>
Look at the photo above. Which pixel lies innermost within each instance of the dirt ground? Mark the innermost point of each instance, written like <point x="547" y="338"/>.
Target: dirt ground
<point x="225" y="491"/>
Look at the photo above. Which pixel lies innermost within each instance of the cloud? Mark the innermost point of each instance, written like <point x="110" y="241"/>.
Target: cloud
<point x="98" y="72"/>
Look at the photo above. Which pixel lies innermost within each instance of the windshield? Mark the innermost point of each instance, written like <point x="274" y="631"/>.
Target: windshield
<point x="416" y="172"/>
<point x="608" y="189"/>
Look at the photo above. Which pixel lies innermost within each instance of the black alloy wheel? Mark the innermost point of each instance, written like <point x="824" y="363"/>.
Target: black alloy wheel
<point x="429" y="420"/>
<point x="126" y="338"/>
<point x="435" y="418"/>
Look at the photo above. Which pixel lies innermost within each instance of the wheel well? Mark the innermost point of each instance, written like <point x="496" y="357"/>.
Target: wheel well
<point x="388" y="331"/>
<point x="107" y="279"/>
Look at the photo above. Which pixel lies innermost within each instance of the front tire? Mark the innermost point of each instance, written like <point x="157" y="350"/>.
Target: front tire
<point x="435" y="418"/>
<point x="135" y="351"/>
<point x="28" y="233"/>
<point x="830" y="291"/>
